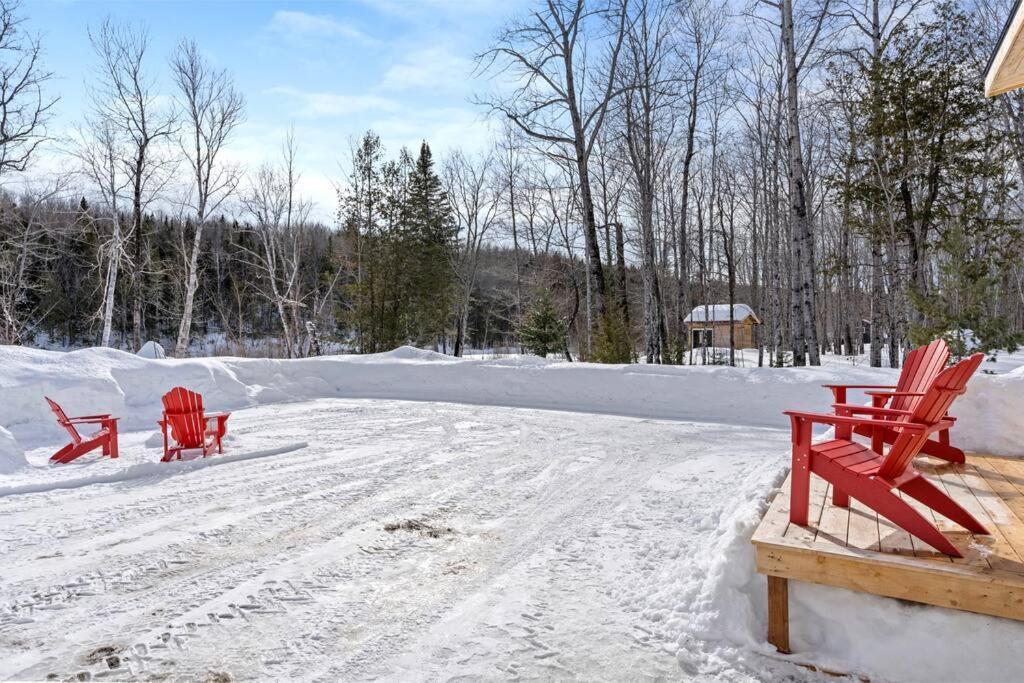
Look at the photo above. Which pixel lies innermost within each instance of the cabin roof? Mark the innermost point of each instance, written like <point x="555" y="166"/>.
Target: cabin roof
<point x="1005" y="71"/>
<point x="719" y="313"/>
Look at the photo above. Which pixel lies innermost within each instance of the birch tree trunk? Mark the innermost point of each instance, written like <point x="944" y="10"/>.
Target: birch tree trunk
<point x="804" y="331"/>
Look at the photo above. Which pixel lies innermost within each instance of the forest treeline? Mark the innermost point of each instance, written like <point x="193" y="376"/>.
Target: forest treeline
<point x="832" y="163"/>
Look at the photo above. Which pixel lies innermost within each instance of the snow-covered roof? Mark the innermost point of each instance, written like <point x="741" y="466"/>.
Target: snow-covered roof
<point x="719" y="313"/>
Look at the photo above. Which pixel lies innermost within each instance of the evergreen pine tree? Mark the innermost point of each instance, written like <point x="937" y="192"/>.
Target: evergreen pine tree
<point x="542" y="331"/>
<point x="961" y="312"/>
<point x="430" y="232"/>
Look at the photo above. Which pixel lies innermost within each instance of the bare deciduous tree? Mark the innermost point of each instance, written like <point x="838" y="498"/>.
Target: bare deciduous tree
<point x="100" y="151"/>
<point x="126" y="102"/>
<point x="279" y="216"/>
<point x="651" y="87"/>
<point x="562" y="93"/>
<point x="472" y="194"/>
<point x="26" y="244"/>
<point x="24" y="109"/>
<point x="212" y="109"/>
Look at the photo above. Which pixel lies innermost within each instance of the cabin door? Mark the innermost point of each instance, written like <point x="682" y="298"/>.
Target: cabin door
<point x="701" y="338"/>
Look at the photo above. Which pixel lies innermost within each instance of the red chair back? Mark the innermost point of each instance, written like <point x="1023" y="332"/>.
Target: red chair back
<point x="63" y="421"/>
<point x="922" y="366"/>
<point x="183" y="410"/>
<point x="930" y="409"/>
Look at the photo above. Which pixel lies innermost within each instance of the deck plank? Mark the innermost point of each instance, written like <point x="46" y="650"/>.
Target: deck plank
<point x="997" y="549"/>
<point x="988" y="468"/>
<point x="1009" y="472"/>
<point x="863" y="529"/>
<point x="921" y="549"/>
<point x="1008" y="537"/>
<point x="834" y="524"/>
<point x="975" y="550"/>
<point x="893" y="539"/>
<point x="1006" y="492"/>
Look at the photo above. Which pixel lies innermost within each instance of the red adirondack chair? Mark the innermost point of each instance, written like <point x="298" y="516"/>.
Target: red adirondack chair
<point x="922" y="366"/>
<point x="189" y="425"/>
<point x="856" y="470"/>
<point x="105" y="438"/>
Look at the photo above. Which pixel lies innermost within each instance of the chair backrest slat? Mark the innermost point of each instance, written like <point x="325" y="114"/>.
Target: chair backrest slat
<point x="63" y="421"/>
<point x="929" y="410"/>
<point x="922" y="366"/>
<point x="184" y="411"/>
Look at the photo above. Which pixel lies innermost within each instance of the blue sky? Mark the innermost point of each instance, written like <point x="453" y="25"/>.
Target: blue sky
<point x="331" y="69"/>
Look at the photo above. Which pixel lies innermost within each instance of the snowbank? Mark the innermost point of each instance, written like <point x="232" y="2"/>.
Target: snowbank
<point x="106" y="380"/>
<point x="12" y="456"/>
<point x="990" y="416"/>
<point x="149" y="469"/>
<point x="886" y="639"/>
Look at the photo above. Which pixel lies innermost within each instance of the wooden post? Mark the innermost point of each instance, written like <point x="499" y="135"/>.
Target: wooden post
<point x="778" y="613"/>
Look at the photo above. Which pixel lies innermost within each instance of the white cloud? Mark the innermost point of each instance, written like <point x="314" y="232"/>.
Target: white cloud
<point x="303" y="23"/>
<point x="418" y="9"/>
<point x="445" y="128"/>
<point x="331" y="104"/>
<point x="432" y="67"/>
<point x="257" y="143"/>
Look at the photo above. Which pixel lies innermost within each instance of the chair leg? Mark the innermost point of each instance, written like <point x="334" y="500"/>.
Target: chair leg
<point x="72" y="451"/>
<point x="926" y="492"/>
<point x="112" y="449"/>
<point x="880" y="498"/>
<point x="878" y="441"/>
<point x="840" y="499"/>
<point x="800" y="494"/>
<point x="60" y="455"/>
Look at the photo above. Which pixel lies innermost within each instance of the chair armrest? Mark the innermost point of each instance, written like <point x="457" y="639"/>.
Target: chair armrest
<point x="870" y="410"/>
<point x="223" y="413"/>
<point x="92" y="419"/>
<point x="888" y="394"/>
<point x="837" y="420"/>
<point x="859" y="386"/>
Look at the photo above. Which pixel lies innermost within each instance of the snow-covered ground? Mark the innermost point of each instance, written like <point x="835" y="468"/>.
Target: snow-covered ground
<point x="409" y="516"/>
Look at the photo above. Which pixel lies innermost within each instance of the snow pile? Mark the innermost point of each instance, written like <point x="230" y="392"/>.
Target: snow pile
<point x="105" y="380"/>
<point x="151" y="349"/>
<point x="892" y="640"/>
<point x="708" y="603"/>
<point x="990" y="416"/>
<point x="115" y="472"/>
<point x="12" y="456"/>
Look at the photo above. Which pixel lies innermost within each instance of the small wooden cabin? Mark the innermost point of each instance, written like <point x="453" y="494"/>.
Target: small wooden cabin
<point x="709" y="325"/>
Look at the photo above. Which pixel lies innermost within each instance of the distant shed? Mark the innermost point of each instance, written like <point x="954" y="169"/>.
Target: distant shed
<point x="709" y="325"/>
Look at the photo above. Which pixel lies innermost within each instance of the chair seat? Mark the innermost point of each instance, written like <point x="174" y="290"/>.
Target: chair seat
<point x="850" y="455"/>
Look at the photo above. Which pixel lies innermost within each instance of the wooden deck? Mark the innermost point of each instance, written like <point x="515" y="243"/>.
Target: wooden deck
<point x="854" y="548"/>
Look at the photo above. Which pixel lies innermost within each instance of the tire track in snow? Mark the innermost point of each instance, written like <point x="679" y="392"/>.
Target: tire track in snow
<point x="298" y="529"/>
<point x="285" y="571"/>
